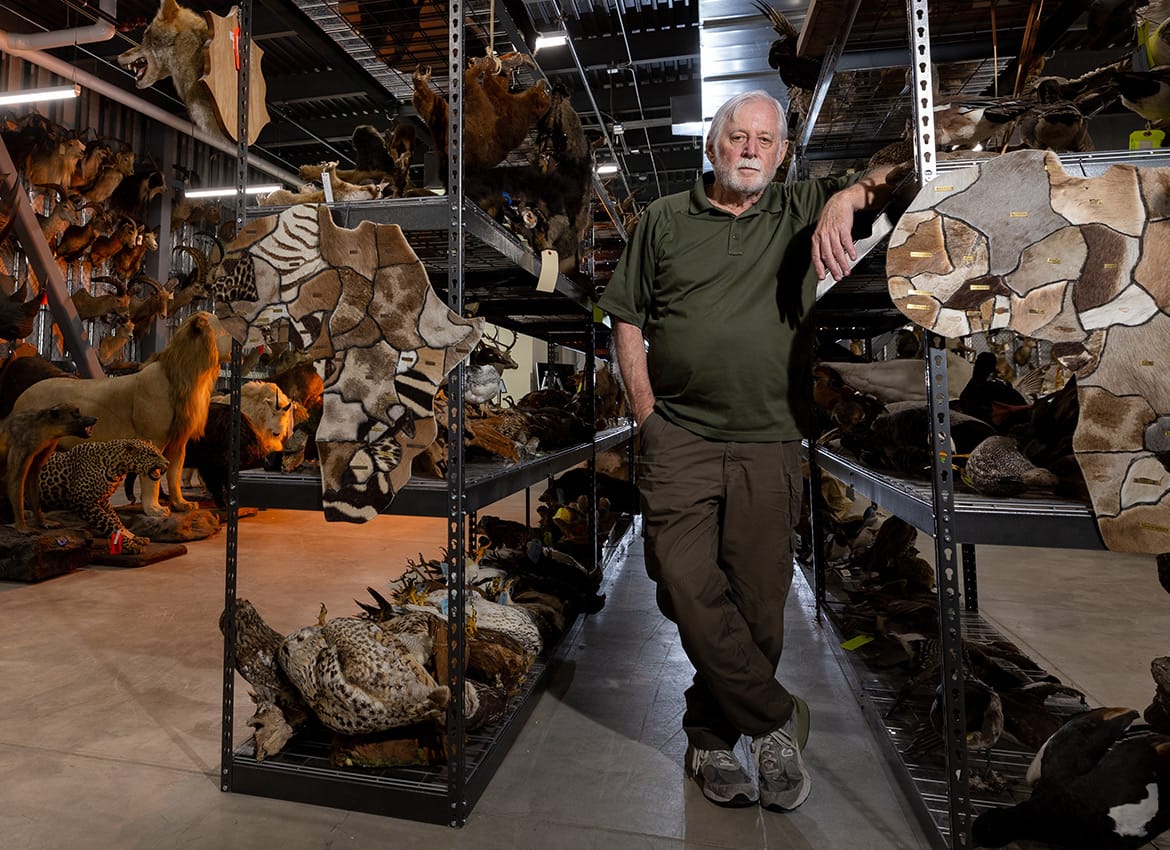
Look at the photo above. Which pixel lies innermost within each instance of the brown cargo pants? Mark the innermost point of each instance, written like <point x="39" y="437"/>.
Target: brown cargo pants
<point x="718" y="523"/>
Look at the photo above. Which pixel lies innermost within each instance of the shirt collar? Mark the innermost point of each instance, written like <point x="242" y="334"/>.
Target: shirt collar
<point x="771" y="201"/>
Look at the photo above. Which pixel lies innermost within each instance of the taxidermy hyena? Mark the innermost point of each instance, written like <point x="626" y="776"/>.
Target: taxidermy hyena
<point x="172" y="46"/>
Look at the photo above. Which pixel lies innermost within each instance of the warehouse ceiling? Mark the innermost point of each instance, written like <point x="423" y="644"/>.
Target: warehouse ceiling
<point x="642" y="73"/>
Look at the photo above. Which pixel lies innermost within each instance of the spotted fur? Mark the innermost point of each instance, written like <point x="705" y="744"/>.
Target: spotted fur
<point x="83" y="479"/>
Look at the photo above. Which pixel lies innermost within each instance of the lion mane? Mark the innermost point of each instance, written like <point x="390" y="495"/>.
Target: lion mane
<point x="165" y="402"/>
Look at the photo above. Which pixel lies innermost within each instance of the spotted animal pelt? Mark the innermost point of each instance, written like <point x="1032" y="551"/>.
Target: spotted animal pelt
<point x="84" y="478"/>
<point x="360" y="679"/>
<point x="1015" y="242"/>
<point x="361" y="299"/>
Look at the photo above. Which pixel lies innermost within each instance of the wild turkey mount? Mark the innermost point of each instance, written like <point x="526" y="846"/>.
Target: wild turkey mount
<point x="222" y="76"/>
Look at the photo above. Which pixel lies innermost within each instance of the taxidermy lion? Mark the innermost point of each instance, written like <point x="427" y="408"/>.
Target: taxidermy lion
<point x="165" y="402"/>
<point x="172" y="46"/>
<point x="26" y="441"/>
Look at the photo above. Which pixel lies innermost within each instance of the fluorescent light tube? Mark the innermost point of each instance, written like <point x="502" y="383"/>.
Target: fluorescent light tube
<point x="552" y="39"/>
<point x="607" y="168"/>
<point x="230" y="190"/>
<point x="35" y="95"/>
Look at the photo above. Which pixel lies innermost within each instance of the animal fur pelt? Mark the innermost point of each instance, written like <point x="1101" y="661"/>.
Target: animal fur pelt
<point x="174" y="45"/>
<point x="23" y="368"/>
<point x="1080" y="262"/>
<point x="26" y="441"/>
<point x="360" y="298"/>
<point x="165" y="402"/>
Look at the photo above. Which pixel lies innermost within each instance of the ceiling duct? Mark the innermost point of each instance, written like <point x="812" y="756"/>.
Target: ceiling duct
<point x="11" y="42"/>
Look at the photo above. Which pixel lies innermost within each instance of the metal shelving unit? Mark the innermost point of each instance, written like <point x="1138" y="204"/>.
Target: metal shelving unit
<point x="467" y="255"/>
<point x="484" y="483"/>
<point x="870" y="95"/>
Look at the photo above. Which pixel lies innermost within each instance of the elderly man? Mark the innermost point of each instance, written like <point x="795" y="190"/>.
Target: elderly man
<point x="716" y="280"/>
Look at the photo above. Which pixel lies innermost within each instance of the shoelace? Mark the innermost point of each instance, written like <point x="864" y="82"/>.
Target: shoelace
<point x="772" y="749"/>
<point x="724" y="760"/>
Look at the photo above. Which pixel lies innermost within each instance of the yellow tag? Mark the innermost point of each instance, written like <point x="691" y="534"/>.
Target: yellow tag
<point x="968" y="258"/>
<point x="1094" y="201"/>
<point x="857" y="642"/>
<point x="1153" y="527"/>
<point x="1146" y="481"/>
<point x="1054" y="261"/>
<point x="598" y="314"/>
<point x="1037" y="312"/>
<point x="1147" y="362"/>
<point x="973" y="314"/>
<point x="1018" y="214"/>
<point x="922" y="254"/>
<point x="917" y="292"/>
<point x="917" y="306"/>
<point x="979" y="287"/>
<point x="1111" y="265"/>
<point x="563" y="513"/>
<point x="944" y="188"/>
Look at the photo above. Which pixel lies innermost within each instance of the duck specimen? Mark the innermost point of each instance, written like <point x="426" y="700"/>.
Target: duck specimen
<point x="983" y="714"/>
<point x="988" y="398"/>
<point x="1157" y="713"/>
<point x="359" y="678"/>
<point x="1095" y="788"/>
<point x="997" y="467"/>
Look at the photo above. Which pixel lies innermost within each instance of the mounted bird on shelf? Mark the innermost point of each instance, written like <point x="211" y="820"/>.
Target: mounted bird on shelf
<point x="197" y="51"/>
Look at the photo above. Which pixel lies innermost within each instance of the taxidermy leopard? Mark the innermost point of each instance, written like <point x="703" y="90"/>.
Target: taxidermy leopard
<point x="83" y="479"/>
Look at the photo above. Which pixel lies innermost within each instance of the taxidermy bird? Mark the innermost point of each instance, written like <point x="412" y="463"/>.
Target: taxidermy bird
<point x="1095" y="788"/>
<point x="481" y="384"/>
<point x="358" y="678"/>
<point x="964" y="122"/>
<point x="983" y="713"/>
<point x="1146" y="92"/>
<point x="997" y="467"/>
<point x="799" y="74"/>
<point x="901" y="380"/>
<point x="1060" y="127"/>
<point x="988" y="398"/>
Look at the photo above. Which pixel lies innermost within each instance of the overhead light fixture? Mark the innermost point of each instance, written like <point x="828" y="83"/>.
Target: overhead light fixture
<point x="607" y="168"/>
<point x="230" y="190"/>
<point x="618" y="128"/>
<point x="37" y="95"/>
<point x="557" y="38"/>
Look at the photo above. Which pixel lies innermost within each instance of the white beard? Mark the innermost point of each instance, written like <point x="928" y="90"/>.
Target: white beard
<point x="727" y="174"/>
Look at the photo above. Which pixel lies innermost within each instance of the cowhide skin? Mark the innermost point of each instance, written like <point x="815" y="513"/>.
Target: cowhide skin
<point x="1016" y="242"/>
<point x="361" y="299"/>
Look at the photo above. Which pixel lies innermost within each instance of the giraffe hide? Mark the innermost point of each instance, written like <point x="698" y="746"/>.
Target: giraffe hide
<point x="1016" y="242"/>
<point x="361" y="299"/>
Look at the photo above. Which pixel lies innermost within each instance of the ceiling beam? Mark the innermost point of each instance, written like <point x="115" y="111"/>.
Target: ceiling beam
<point x="604" y="52"/>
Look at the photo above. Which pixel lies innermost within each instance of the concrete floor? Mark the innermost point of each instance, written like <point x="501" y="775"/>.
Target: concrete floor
<point x="112" y="680"/>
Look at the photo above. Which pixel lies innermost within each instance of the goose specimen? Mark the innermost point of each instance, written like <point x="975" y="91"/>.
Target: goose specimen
<point x="1096" y="788"/>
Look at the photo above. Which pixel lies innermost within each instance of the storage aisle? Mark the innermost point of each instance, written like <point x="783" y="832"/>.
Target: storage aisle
<point x="110" y="707"/>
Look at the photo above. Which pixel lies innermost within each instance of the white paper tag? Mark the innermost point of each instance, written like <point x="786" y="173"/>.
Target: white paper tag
<point x="327" y="185"/>
<point x="550" y="265"/>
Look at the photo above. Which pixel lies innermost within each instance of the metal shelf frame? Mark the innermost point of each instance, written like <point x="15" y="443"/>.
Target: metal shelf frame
<point x="484" y="483"/>
<point x="455" y="240"/>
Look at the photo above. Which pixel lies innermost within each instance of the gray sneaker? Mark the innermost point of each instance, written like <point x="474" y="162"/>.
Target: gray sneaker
<point x="784" y="780"/>
<point x="721" y="777"/>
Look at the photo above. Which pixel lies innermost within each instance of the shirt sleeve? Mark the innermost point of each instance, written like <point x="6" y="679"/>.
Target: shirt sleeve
<point x="810" y="196"/>
<point x="628" y="294"/>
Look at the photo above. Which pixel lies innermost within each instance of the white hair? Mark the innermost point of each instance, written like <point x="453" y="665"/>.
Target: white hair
<point x="727" y="111"/>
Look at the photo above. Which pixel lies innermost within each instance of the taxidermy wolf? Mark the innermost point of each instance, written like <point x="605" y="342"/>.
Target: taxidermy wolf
<point x="173" y="45"/>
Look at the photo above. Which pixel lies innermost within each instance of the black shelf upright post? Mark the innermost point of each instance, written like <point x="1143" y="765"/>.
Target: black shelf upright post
<point x="591" y="388"/>
<point x="232" y="535"/>
<point x="456" y="497"/>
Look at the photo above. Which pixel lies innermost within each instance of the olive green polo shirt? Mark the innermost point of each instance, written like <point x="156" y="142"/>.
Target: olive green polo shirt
<point x="719" y="297"/>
